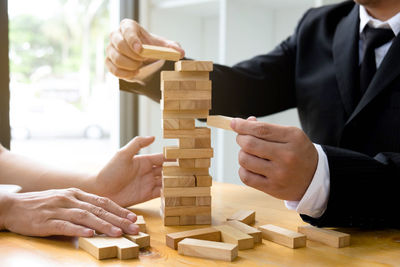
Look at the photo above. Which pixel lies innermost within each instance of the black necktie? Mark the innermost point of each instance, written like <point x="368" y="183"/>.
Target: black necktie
<point x="373" y="38"/>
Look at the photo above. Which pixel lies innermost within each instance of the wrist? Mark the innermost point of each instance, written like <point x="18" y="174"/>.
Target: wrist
<point x="6" y="201"/>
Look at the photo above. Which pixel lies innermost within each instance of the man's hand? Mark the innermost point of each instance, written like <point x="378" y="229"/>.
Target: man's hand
<point x="69" y="212"/>
<point x="128" y="178"/>
<point x="278" y="160"/>
<point x="123" y="59"/>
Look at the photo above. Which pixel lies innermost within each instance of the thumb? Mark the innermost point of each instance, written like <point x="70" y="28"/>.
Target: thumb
<point x="137" y="143"/>
<point x="252" y="118"/>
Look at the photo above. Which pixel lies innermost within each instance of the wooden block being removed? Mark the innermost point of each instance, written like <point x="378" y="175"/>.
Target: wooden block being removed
<point x="192" y="65"/>
<point x="159" y="52"/>
<point x="255" y="233"/>
<point x="179" y="181"/>
<point x="195" y="153"/>
<point x="207" y="249"/>
<point x="186" y="192"/>
<point x="198" y="132"/>
<point x="244" y="216"/>
<point x="328" y="237"/>
<point x="103" y="247"/>
<point x="141" y="223"/>
<point x="142" y="239"/>
<point x="221" y="122"/>
<point x="283" y="236"/>
<point x="210" y="234"/>
<point x="234" y="236"/>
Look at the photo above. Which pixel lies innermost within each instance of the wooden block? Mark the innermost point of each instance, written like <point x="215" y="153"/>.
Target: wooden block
<point x="173" y="169"/>
<point x="171" y="201"/>
<point x="187" y="95"/>
<point x="202" y="163"/>
<point x="103" y="247"/>
<point x="244" y="216"/>
<point x="187" y="163"/>
<point x="203" y="219"/>
<point x="189" y="85"/>
<point x="187" y="220"/>
<point x="203" y="201"/>
<point x="187" y="192"/>
<point x="186" y="210"/>
<point x="203" y="180"/>
<point x="170" y="85"/>
<point x="169" y="221"/>
<point x="141" y="239"/>
<point x="179" y="181"/>
<point x="159" y="52"/>
<point x="221" y="122"/>
<point x="328" y="237"/>
<point x="203" y="85"/>
<point x="175" y="153"/>
<point x="185" y="114"/>
<point x="187" y="124"/>
<point x="170" y="124"/>
<point x="255" y="233"/>
<point x="184" y="76"/>
<point x="188" y="201"/>
<point x="186" y="143"/>
<point x="141" y="223"/>
<point x="207" y="249"/>
<point x="169" y="105"/>
<point x="198" y="132"/>
<point x="283" y="236"/>
<point x="234" y="236"/>
<point x="202" y="142"/>
<point x="194" y="104"/>
<point x="210" y="234"/>
<point x="192" y="65"/>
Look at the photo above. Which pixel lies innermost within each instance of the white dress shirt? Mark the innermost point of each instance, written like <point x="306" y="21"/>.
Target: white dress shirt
<point x="315" y="199"/>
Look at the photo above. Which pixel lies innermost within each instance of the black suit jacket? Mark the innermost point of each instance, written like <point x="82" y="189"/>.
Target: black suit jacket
<point x="316" y="70"/>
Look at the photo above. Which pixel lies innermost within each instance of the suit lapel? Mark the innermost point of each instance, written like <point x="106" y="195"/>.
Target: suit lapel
<point x="345" y="57"/>
<point x="386" y="73"/>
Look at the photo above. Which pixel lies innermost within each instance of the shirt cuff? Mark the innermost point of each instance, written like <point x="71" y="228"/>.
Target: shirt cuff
<point x="315" y="200"/>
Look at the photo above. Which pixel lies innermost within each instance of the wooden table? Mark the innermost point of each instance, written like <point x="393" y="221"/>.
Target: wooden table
<point x="368" y="248"/>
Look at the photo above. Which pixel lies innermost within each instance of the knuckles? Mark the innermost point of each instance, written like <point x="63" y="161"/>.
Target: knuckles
<point x="247" y="142"/>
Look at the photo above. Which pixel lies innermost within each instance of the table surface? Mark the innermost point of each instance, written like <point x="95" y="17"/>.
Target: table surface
<point x="368" y="248"/>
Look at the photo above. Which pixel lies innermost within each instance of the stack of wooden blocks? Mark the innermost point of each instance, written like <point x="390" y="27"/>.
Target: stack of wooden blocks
<point x="186" y="183"/>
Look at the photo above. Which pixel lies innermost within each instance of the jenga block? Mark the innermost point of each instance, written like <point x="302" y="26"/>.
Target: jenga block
<point x="186" y="95"/>
<point x="186" y="192"/>
<point x="203" y="85"/>
<point x="210" y="234"/>
<point x="198" y="132"/>
<point x="170" y="85"/>
<point x="170" y="105"/>
<point x="179" y="181"/>
<point x="159" y="52"/>
<point x="168" y="221"/>
<point x="219" y="122"/>
<point x="207" y="249"/>
<point x="202" y="142"/>
<point x="244" y="216"/>
<point x="173" y="169"/>
<point x="282" y="236"/>
<point x="171" y="201"/>
<point x="255" y="233"/>
<point x="170" y="124"/>
<point x="203" y="201"/>
<point x="185" y="114"/>
<point x="187" y="220"/>
<point x="142" y="239"/>
<point x="186" y="143"/>
<point x="191" y="65"/>
<point x="186" y="210"/>
<point x="187" y="163"/>
<point x="202" y="163"/>
<point x="194" y="104"/>
<point x="203" y="180"/>
<point x="175" y="152"/>
<point x="203" y="219"/>
<point x="187" y="124"/>
<point x="103" y="247"/>
<point x="141" y="223"/>
<point x="328" y="237"/>
<point x="184" y="76"/>
<point x="234" y="236"/>
<point x="189" y="85"/>
<point x="188" y="201"/>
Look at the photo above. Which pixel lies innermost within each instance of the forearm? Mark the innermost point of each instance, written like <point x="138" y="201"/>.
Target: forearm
<point x="33" y="176"/>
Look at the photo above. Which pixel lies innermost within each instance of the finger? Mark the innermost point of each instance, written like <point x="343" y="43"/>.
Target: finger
<point x="60" y="227"/>
<point x="262" y="130"/>
<point x="120" y="73"/>
<point x="259" y="147"/>
<point x="156" y="192"/>
<point x="176" y="46"/>
<point x="130" y="30"/>
<point x="120" y="44"/>
<point x="155" y="159"/>
<point x="137" y="143"/>
<point x="158" y="181"/>
<point x="254" y="164"/>
<point x="157" y="171"/>
<point x="253" y="180"/>
<point x="121" y="61"/>
<point x="252" y="118"/>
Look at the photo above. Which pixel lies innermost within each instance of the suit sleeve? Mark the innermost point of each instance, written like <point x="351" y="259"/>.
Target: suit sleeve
<point x="363" y="190"/>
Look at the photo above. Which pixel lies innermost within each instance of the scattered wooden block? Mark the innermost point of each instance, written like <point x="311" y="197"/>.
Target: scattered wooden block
<point x="198" y="132"/>
<point x="186" y="192"/>
<point x="173" y="169"/>
<point x="234" y="236"/>
<point x="185" y="114"/>
<point x="283" y="236"/>
<point x="103" y="247"/>
<point x="207" y="249"/>
<point x="159" y="52"/>
<point x="255" y="233"/>
<point x="187" y="95"/>
<point x="203" y="201"/>
<point x="210" y="234"/>
<point x="194" y="104"/>
<point x="179" y="181"/>
<point x="186" y="210"/>
<point x="221" y="122"/>
<point x="168" y="221"/>
<point x="203" y="180"/>
<point x="187" y="153"/>
<point x="192" y="65"/>
<point x="328" y="237"/>
<point x="244" y="216"/>
<point x="141" y="239"/>
<point x="141" y="223"/>
<point x="184" y="76"/>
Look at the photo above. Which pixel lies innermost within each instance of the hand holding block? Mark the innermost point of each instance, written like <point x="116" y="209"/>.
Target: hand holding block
<point x="244" y="216"/>
<point x="210" y="234"/>
<point x="222" y="122"/>
<point x="283" y="236"/>
<point x="159" y="52"/>
<point x="103" y="247"/>
<point x="207" y="249"/>
<point x="192" y="65"/>
<point x="325" y="236"/>
<point x="141" y="223"/>
<point x="234" y="236"/>
<point x="256" y="234"/>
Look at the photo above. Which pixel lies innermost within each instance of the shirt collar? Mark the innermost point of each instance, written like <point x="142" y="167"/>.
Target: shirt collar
<point x="393" y="23"/>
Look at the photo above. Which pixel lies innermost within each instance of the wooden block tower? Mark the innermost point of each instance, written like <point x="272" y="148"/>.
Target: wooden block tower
<point x="186" y="183"/>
